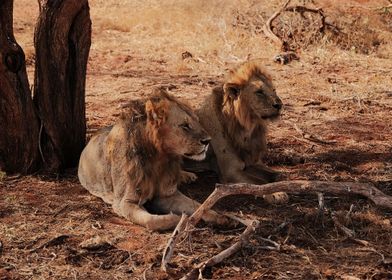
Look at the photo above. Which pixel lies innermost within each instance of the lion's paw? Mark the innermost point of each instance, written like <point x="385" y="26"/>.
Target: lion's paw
<point x="187" y="177"/>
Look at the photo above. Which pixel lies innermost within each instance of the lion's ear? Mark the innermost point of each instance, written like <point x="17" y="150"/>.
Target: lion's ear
<point x="156" y="111"/>
<point x="232" y="90"/>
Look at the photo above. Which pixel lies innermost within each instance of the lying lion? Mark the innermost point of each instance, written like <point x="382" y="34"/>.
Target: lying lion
<point x="236" y="115"/>
<point x="138" y="160"/>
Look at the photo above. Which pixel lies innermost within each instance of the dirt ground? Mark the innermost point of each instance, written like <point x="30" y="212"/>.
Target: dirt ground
<point x="336" y="125"/>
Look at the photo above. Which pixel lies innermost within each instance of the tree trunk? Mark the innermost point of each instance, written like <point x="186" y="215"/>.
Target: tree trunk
<point x="19" y="125"/>
<point x="62" y="43"/>
<point x="50" y="128"/>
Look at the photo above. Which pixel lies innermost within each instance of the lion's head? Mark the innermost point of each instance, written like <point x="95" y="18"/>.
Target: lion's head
<point x="175" y="128"/>
<point x="250" y="94"/>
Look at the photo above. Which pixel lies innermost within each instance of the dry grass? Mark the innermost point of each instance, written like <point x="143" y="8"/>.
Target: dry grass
<point x="2" y="175"/>
<point x="338" y="91"/>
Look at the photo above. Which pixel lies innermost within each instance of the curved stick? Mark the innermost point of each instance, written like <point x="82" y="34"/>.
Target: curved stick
<point x="267" y="28"/>
<point x="243" y="239"/>
<point x="297" y="187"/>
<point x="168" y="252"/>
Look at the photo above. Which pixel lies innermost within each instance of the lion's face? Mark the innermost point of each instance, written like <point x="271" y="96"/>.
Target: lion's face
<point x="257" y="97"/>
<point x="179" y="129"/>
<point x="261" y="99"/>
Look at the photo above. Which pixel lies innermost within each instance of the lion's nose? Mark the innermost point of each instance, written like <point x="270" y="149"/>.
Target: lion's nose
<point x="277" y="105"/>
<point x="205" y="141"/>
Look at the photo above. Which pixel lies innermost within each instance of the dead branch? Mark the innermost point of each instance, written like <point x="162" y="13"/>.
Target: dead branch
<point x="243" y="239"/>
<point x="383" y="7"/>
<point x="303" y="9"/>
<point x="348" y="232"/>
<point x="297" y="187"/>
<point x="275" y="245"/>
<point x="168" y="252"/>
<point x="313" y="138"/>
<point x="321" y="206"/>
<point x="52" y="242"/>
<point x="267" y="28"/>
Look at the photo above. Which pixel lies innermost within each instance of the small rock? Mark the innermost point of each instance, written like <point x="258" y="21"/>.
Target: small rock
<point x="286" y="57"/>
<point x="349" y="277"/>
<point x="95" y="243"/>
<point x="186" y="55"/>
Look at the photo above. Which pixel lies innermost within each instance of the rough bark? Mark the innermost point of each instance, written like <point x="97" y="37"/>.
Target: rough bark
<point x="62" y="43"/>
<point x="19" y="126"/>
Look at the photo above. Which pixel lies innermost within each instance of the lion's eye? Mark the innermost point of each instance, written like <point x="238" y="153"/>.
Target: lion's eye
<point x="185" y="126"/>
<point x="260" y="92"/>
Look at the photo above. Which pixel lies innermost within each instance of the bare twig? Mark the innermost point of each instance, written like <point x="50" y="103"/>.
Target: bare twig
<point x="267" y="28"/>
<point x="243" y="239"/>
<point x="348" y="232"/>
<point x="275" y="245"/>
<point x="52" y="242"/>
<point x="245" y="222"/>
<point x="383" y="7"/>
<point x="303" y="9"/>
<point x="321" y="203"/>
<point x="321" y="206"/>
<point x="313" y="138"/>
<point x="61" y="210"/>
<point x="297" y="187"/>
<point x="168" y="252"/>
<point x="348" y="215"/>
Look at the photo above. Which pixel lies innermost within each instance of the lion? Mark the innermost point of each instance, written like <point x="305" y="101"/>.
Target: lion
<point x="236" y="116"/>
<point x="137" y="162"/>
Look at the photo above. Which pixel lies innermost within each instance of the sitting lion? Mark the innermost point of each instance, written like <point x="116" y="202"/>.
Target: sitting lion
<point x="236" y="116"/>
<point x="138" y="160"/>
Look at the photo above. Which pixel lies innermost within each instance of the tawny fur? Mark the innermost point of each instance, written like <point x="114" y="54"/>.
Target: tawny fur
<point x="236" y="115"/>
<point x="138" y="160"/>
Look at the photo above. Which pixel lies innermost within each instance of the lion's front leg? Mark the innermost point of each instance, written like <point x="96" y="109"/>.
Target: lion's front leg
<point x="179" y="203"/>
<point x="262" y="172"/>
<point x="138" y="215"/>
<point x="187" y="177"/>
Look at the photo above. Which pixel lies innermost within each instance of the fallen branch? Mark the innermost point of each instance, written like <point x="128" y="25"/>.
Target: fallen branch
<point x="348" y="232"/>
<point x="313" y="138"/>
<point x="243" y="239"/>
<point x="52" y="242"/>
<point x="168" y="252"/>
<point x="267" y="28"/>
<point x="303" y="9"/>
<point x="297" y="187"/>
<point x="383" y="7"/>
<point x="321" y="207"/>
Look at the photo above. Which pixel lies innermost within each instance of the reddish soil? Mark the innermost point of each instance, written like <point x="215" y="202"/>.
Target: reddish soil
<point x="339" y="94"/>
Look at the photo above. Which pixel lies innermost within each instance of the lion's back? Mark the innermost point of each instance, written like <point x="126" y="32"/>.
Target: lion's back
<point x="94" y="168"/>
